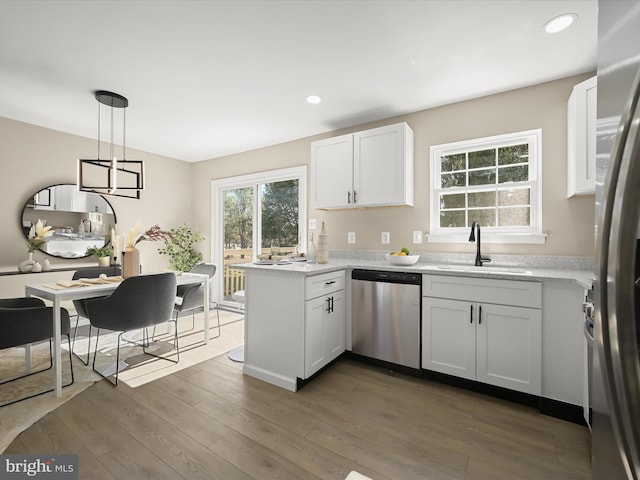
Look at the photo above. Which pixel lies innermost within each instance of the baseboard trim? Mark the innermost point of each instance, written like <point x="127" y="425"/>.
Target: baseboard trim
<point x="563" y="411"/>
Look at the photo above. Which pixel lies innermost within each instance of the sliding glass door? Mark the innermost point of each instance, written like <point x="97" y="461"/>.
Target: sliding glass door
<point x="255" y="215"/>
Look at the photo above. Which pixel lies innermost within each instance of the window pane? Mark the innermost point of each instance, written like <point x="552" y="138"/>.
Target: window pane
<point x="514" y="154"/>
<point x="454" y="180"/>
<point x="450" y="163"/>
<point x="486" y="217"/>
<point x="455" y="200"/>
<point x="483" y="177"/>
<point x="513" y="174"/>
<point x="515" y="196"/>
<point x="482" y="158"/>
<point x="279" y="210"/>
<point x="482" y="199"/>
<point x="455" y="218"/>
<point x="514" y="217"/>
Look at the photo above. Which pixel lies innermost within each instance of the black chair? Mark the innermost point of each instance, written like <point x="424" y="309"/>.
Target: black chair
<point x="28" y="320"/>
<point x="189" y="297"/>
<point x="81" y="305"/>
<point x="138" y="303"/>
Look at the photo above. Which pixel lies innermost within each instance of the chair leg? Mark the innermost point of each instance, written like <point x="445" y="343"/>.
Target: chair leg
<point x="144" y="345"/>
<point x="175" y="345"/>
<point x="218" y="315"/>
<point x="40" y="371"/>
<point x="75" y="333"/>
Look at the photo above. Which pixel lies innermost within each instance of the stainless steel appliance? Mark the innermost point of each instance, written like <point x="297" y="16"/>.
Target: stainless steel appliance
<point x="616" y="365"/>
<point x="587" y="307"/>
<point x="386" y="316"/>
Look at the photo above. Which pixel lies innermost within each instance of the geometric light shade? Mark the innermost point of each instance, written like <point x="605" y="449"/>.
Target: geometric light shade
<point x="112" y="176"/>
<point x="124" y="178"/>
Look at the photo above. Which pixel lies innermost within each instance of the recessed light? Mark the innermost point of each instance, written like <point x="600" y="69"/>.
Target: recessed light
<point x="560" y="22"/>
<point x="314" y="99"/>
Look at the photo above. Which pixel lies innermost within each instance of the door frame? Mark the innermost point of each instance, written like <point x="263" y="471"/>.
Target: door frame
<point x="218" y="188"/>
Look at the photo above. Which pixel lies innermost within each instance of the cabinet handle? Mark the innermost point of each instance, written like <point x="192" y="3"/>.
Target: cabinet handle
<point x="331" y="304"/>
<point x="355" y="197"/>
<point x="480" y="315"/>
<point x="330" y="282"/>
<point x="328" y="304"/>
<point x="349" y="197"/>
<point x="471" y="314"/>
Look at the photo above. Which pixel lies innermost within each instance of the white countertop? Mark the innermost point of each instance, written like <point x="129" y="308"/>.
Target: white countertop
<point x="583" y="277"/>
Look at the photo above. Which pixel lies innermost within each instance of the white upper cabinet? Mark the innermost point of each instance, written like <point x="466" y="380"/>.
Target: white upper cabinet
<point x="581" y="138"/>
<point x="372" y="168"/>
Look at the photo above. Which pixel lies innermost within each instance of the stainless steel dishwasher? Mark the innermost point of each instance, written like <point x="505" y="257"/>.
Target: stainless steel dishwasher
<point x="386" y="316"/>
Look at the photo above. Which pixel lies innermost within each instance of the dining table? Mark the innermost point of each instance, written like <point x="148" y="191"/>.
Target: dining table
<point x="58" y="292"/>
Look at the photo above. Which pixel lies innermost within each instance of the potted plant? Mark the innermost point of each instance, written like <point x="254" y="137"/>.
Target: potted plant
<point x="103" y="254"/>
<point x="179" y="247"/>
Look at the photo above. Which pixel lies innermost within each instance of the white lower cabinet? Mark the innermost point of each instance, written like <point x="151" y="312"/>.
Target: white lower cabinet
<point x="470" y="337"/>
<point x="324" y="321"/>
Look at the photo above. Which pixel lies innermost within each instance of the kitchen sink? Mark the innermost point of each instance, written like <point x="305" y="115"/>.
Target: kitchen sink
<point x="473" y="268"/>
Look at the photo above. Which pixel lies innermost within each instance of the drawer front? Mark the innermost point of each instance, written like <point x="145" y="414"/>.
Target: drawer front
<point x="485" y="290"/>
<point x="322" y="284"/>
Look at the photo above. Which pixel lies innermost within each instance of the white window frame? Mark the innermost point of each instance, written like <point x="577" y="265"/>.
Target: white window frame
<point x="531" y="234"/>
<point x="218" y="187"/>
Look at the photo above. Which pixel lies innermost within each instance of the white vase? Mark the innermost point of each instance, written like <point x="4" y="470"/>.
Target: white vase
<point x="37" y="267"/>
<point x="104" y="261"/>
<point x="46" y="265"/>
<point x="27" y="265"/>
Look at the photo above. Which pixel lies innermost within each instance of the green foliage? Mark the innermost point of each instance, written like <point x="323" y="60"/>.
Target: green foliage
<point x="100" y="252"/>
<point x="182" y="255"/>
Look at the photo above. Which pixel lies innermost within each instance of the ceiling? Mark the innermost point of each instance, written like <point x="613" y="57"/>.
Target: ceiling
<point x="206" y="79"/>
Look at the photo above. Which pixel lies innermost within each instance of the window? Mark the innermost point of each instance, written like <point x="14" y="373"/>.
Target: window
<point x="254" y="214"/>
<point x="495" y="180"/>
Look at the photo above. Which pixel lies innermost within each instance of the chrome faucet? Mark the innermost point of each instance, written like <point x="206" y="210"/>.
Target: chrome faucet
<point x="472" y="238"/>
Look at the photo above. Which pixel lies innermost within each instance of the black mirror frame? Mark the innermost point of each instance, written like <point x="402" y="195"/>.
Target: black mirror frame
<point x="30" y="201"/>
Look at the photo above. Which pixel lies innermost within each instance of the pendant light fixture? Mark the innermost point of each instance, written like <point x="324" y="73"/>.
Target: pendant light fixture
<point x="113" y="176"/>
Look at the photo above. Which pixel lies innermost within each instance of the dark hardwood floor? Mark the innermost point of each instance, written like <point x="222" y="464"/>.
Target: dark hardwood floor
<point x="211" y="422"/>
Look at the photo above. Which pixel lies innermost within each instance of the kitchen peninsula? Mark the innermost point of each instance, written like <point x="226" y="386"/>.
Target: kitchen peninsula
<point x="298" y="317"/>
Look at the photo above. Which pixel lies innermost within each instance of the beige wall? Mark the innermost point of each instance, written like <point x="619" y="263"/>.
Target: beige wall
<point x="567" y="222"/>
<point x="178" y="192"/>
<point x="33" y="157"/>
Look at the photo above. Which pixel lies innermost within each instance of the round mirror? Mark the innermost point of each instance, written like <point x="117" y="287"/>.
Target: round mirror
<point x="79" y="220"/>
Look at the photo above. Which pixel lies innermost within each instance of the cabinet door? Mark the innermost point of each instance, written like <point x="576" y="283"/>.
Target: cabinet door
<point x="314" y="335"/>
<point x="383" y="166"/>
<point x="335" y="326"/>
<point x="449" y="337"/>
<point x="581" y="138"/>
<point x="332" y="172"/>
<point x="509" y="347"/>
<point x="63" y="198"/>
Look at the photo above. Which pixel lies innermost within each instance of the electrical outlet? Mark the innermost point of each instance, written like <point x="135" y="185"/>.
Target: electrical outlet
<point x="386" y="238"/>
<point x="351" y="237"/>
<point x="312" y="224"/>
<point x="417" y="236"/>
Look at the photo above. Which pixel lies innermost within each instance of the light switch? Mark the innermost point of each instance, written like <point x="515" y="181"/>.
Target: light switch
<point x="312" y="224"/>
<point x="417" y="236"/>
<point x="386" y="238"/>
<point x="351" y="237"/>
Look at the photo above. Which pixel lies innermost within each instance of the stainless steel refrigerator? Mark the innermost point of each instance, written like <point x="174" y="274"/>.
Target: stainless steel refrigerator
<point x="616" y="371"/>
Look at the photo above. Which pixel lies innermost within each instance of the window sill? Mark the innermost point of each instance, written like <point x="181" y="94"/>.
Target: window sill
<point x="533" y="238"/>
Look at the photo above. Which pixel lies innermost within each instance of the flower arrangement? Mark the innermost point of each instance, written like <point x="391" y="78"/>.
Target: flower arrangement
<point x="153" y="234"/>
<point x="38" y="236"/>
